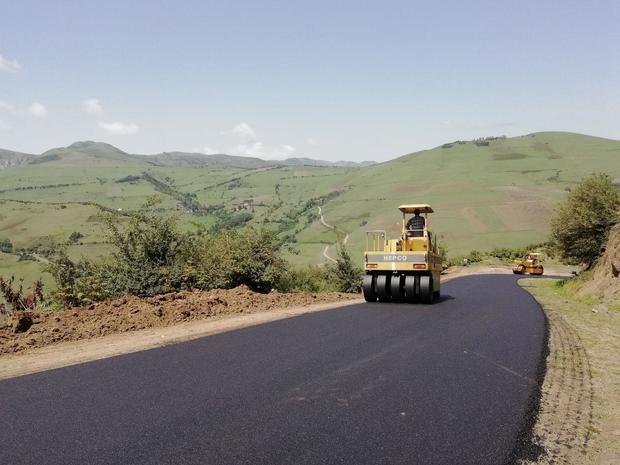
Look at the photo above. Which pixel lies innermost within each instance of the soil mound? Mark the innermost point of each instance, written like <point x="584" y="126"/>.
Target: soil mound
<point x="36" y="329"/>
<point x="605" y="281"/>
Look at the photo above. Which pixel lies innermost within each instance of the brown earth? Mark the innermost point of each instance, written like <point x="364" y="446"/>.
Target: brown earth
<point x="605" y="281"/>
<point x="37" y="329"/>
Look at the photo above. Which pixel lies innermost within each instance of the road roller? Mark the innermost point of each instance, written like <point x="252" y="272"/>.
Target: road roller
<point x="405" y="268"/>
<point x="530" y="264"/>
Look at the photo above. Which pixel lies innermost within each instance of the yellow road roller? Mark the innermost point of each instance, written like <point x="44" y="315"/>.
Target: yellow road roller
<point x="530" y="264"/>
<point x="405" y="268"/>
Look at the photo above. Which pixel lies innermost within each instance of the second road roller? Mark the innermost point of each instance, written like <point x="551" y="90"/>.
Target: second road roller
<point x="406" y="268"/>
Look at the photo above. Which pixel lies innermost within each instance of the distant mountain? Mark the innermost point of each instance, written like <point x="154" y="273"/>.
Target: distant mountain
<point x="101" y="150"/>
<point x="200" y="159"/>
<point x="9" y="159"/>
<point x="312" y="162"/>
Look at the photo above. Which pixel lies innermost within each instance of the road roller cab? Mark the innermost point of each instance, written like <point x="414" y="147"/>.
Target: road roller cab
<point x="406" y="268"/>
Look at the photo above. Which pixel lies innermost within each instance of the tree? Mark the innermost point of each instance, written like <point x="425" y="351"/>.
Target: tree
<point x="348" y="277"/>
<point x="581" y="223"/>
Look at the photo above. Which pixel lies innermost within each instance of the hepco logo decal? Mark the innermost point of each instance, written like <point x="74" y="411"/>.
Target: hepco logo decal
<point x="395" y="258"/>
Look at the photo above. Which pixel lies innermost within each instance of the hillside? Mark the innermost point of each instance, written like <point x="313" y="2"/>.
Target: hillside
<point x="10" y="159"/>
<point x="485" y="196"/>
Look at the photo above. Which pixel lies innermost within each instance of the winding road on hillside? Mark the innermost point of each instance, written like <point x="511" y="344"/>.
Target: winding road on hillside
<point x="333" y="228"/>
<point x="451" y="383"/>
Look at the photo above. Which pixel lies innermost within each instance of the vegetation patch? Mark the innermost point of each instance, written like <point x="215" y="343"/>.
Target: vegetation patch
<point x="44" y="159"/>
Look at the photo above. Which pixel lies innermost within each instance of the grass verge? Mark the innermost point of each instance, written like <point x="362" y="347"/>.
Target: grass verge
<point x="579" y="417"/>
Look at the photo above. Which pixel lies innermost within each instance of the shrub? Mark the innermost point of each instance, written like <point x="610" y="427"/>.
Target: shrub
<point x="82" y="282"/>
<point x="347" y="276"/>
<point x="6" y="246"/>
<point x="307" y="279"/>
<point x="15" y="298"/>
<point x="130" y="178"/>
<point x="23" y="256"/>
<point x="580" y="224"/>
<point x="75" y="236"/>
<point x="151" y="256"/>
<point x="45" y="246"/>
<point x="231" y="221"/>
<point x="147" y="260"/>
<point x="442" y="249"/>
<point x="505" y="253"/>
<point x="475" y="256"/>
<point x="250" y="257"/>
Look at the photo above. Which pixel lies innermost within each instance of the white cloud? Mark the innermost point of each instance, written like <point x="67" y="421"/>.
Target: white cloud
<point x="248" y="145"/>
<point x="38" y="110"/>
<point x="243" y="131"/>
<point x="312" y="142"/>
<point x="9" y="66"/>
<point x="92" y="106"/>
<point x="208" y="150"/>
<point x="6" y="107"/>
<point x="119" y="128"/>
<point x="4" y="127"/>
<point x="265" y="151"/>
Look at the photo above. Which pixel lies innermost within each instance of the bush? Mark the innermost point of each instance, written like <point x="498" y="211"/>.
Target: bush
<point x="346" y="275"/>
<point x="505" y="253"/>
<point x="45" y="246"/>
<point x="15" y="298"/>
<point x="151" y="257"/>
<point x="580" y="224"/>
<point x="75" y="236"/>
<point x="308" y="279"/>
<point x="475" y="256"/>
<point x="231" y="221"/>
<point x="130" y="178"/>
<point x="256" y="260"/>
<point x="6" y="246"/>
<point x="79" y="283"/>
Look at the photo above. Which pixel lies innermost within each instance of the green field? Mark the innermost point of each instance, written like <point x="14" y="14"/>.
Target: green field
<point x="499" y="195"/>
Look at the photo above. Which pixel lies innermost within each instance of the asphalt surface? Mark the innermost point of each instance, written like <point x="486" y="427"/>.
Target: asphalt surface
<point x="450" y="383"/>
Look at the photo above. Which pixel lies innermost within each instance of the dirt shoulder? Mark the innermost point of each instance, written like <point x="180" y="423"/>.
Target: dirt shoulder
<point x="579" y="417"/>
<point x="130" y="324"/>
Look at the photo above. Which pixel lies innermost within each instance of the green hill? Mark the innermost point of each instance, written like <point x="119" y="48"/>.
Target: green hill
<point x="10" y="159"/>
<point x="487" y="194"/>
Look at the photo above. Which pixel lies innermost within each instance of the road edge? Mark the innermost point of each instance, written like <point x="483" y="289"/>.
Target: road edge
<point x="526" y="446"/>
<point x="87" y="350"/>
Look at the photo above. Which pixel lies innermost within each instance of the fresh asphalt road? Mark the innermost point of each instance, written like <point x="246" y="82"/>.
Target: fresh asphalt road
<point x="450" y="383"/>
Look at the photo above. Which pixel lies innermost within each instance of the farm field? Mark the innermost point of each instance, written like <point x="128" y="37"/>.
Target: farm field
<point x="496" y="195"/>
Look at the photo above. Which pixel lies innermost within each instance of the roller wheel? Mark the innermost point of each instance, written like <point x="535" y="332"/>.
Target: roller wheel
<point x="369" y="289"/>
<point x="426" y="289"/>
<point x="382" y="288"/>
<point x="396" y="288"/>
<point x="410" y="289"/>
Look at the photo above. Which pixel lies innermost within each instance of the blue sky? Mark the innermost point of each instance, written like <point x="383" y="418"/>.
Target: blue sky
<point x="350" y="80"/>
